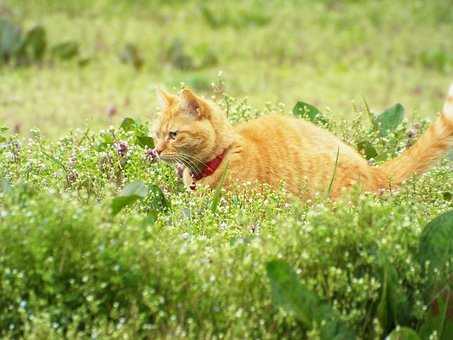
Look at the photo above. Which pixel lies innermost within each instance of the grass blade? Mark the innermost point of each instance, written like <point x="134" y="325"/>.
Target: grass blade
<point x="329" y="190"/>
<point x="218" y="191"/>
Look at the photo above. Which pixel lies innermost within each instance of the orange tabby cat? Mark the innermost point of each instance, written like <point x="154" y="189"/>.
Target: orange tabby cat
<point x="277" y="149"/>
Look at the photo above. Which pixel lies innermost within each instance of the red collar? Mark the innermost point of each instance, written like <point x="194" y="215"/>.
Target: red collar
<point x="209" y="168"/>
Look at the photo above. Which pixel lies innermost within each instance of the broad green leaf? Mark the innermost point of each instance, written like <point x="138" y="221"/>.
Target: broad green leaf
<point x="66" y="50"/>
<point x="131" y="193"/>
<point x="128" y="124"/>
<point x="84" y="61"/>
<point x="145" y="141"/>
<point x="135" y="188"/>
<point x="156" y="199"/>
<point x="10" y="39"/>
<point x="403" y="333"/>
<point x="35" y="43"/>
<point x="436" y="245"/>
<point x="389" y="120"/>
<point x="289" y="294"/>
<point x="439" y="317"/>
<point x="367" y="149"/>
<point x="447" y="196"/>
<point x="309" y="112"/>
<point x="383" y="308"/>
<point x="393" y="306"/>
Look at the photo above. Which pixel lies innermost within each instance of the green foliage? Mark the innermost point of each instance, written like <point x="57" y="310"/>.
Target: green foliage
<point x="131" y="55"/>
<point x="177" y="55"/>
<point x="168" y="265"/>
<point x="309" y="112"/>
<point x="436" y="247"/>
<point x="386" y="127"/>
<point x="439" y="319"/>
<point x="174" y="262"/>
<point x="237" y="18"/>
<point x="24" y="49"/>
<point x="34" y="44"/>
<point x="403" y="333"/>
<point x="290" y="294"/>
<point x="30" y="47"/>
<point x="436" y="254"/>
<point x="131" y="193"/>
<point x="392" y="308"/>
<point x="140" y="132"/>
<point x="128" y="124"/>
<point x="66" y="50"/>
<point x="367" y="149"/>
<point x="389" y="120"/>
<point x="156" y="201"/>
<point x="10" y="39"/>
<point x="438" y="59"/>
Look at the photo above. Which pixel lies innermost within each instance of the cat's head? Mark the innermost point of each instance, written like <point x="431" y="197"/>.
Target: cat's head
<point x="189" y="128"/>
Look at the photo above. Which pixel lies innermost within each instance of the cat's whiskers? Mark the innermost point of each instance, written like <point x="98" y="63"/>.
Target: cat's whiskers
<point x="194" y="158"/>
<point x="194" y="167"/>
<point x="189" y="161"/>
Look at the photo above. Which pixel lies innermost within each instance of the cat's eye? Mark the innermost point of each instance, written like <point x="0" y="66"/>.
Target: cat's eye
<point x="173" y="134"/>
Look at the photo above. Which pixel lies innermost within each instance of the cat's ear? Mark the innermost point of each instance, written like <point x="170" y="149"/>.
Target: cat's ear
<point x="164" y="98"/>
<point x="193" y="104"/>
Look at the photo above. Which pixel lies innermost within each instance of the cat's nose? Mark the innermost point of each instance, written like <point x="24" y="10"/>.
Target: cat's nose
<point x="159" y="148"/>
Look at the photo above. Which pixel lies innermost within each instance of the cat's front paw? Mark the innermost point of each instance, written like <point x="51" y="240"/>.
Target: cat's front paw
<point x="180" y="170"/>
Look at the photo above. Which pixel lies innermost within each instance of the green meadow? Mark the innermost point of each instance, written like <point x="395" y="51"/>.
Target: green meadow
<point x="96" y="242"/>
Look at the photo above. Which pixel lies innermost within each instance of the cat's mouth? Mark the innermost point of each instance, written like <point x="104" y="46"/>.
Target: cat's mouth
<point x="180" y="159"/>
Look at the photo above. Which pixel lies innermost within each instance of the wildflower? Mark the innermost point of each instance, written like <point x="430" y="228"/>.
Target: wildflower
<point x="72" y="176"/>
<point x="152" y="155"/>
<point x="121" y="148"/>
<point x="112" y="111"/>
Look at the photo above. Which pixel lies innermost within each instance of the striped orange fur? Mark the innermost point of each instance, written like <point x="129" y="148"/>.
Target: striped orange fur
<point x="276" y="149"/>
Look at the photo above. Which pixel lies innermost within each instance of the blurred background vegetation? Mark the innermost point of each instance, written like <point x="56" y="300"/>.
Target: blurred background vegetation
<point x="92" y="62"/>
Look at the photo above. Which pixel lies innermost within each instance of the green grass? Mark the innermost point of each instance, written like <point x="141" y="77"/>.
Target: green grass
<point x="195" y="265"/>
<point x="326" y="53"/>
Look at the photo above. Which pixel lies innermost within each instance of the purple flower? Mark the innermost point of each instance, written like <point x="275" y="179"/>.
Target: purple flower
<point x="112" y="110"/>
<point x="152" y="155"/>
<point x="121" y="148"/>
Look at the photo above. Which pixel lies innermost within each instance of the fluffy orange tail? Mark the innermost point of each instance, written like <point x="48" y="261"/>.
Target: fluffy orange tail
<point x="431" y="145"/>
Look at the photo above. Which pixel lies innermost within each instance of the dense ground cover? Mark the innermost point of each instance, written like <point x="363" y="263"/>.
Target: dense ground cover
<point x="218" y="265"/>
<point x="182" y="265"/>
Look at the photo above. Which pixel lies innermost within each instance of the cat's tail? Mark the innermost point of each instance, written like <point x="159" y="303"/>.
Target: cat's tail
<point x="420" y="156"/>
